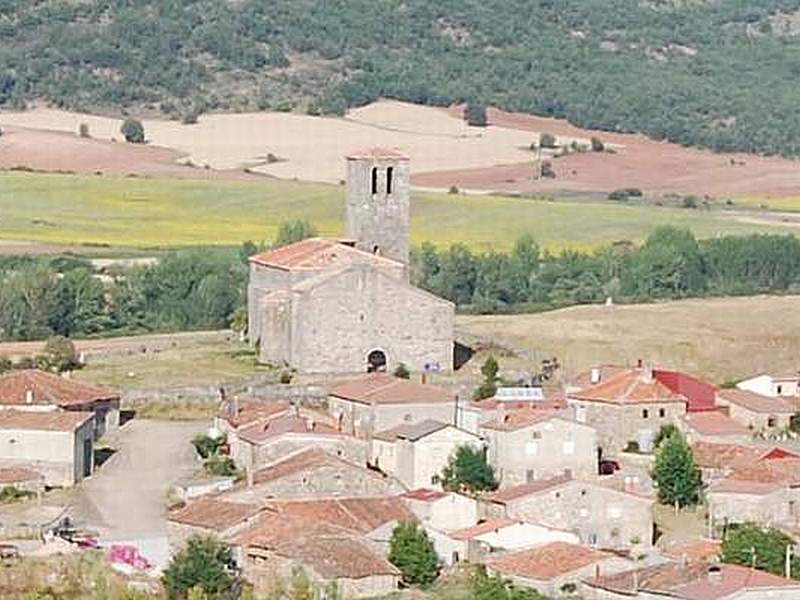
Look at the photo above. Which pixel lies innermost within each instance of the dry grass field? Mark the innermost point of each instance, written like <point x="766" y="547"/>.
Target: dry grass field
<point x="720" y="339"/>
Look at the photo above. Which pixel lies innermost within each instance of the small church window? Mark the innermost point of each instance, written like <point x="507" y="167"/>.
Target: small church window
<point x="389" y="174"/>
<point x="374" y="180"/>
<point x="376" y="249"/>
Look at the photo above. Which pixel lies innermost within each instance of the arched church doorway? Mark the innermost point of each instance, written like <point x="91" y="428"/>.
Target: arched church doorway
<point x="376" y="361"/>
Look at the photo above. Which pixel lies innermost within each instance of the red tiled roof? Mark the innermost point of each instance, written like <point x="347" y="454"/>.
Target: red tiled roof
<point x="743" y="486"/>
<point x="377" y="153"/>
<point x="519" y="419"/>
<point x="553" y="403"/>
<point x="330" y="551"/>
<point x="526" y="489"/>
<point x="12" y="475"/>
<point x="470" y="533"/>
<point x="249" y="411"/>
<point x="711" y="455"/>
<point x="631" y="386"/>
<point x="786" y="470"/>
<point x="51" y="420"/>
<point x="756" y="402"/>
<point x="700" y="395"/>
<point x="695" y="550"/>
<point x="214" y="513"/>
<point x="383" y="388"/>
<point x="713" y="422"/>
<point x="733" y="578"/>
<point x="584" y="380"/>
<point x="315" y="253"/>
<point x="425" y="495"/>
<point x="548" y="561"/>
<point x="49" y="389"/>
<point x="305" y="460"/>
<point x="268" y="429"/>
<point x="357" y="514"/>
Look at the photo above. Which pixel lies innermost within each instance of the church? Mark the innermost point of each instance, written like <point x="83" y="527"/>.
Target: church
<point x="346" y="306"/>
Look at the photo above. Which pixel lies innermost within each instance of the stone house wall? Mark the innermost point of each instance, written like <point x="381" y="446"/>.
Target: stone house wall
<point x="542" y="451"/>
<point x="758" y="422"/>
<point x="362" y="420"/>
<point x="245" y="453"/>
<point x="779" y="507"/>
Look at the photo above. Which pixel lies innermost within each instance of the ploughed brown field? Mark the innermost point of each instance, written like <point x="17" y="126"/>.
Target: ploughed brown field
<point x="445" y="151"/>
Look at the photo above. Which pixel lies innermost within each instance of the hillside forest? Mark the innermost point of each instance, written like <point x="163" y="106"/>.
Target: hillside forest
<point x="206" y="289"/>
<point x="716" y="74"/>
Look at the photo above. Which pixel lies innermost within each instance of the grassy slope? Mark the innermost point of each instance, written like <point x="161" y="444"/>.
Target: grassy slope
<point x="148" y="212"/>
<point x="719" y="339"/>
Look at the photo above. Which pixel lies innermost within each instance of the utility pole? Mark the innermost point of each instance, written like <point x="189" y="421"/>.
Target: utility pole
<point x="788" y="567"/>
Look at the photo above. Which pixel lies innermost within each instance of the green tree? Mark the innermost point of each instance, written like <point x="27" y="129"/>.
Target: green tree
<point x="750" y="544"/>
<point x="133" y="131"/>
<point x="547" y="140"/>
<point x="669" y="265"/>
<point x="412" y="552"/>
<point x="402" y="371"/>
<point x="60" y="353"/>
<point x="676" y="473"/>
<point x="205" y="562"/>
<point x="489" y="370"/>
<point x="290" y="232"/>
<point x="468" y="470"/>
<point x="475" y="114"/>
<point x="496" y="587"/>
<point x="663" y="433"/>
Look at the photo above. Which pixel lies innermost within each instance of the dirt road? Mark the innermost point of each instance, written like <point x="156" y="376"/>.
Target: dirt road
<point x="125" y="499"/>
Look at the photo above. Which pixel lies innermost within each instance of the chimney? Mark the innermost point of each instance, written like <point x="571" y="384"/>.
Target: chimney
<point x="639" y="363"/>
<point x="647" y="374"/>
<point x="234" y="406"/>
<point x="29" y="397"/>
<point x="595" y="375"/>
<point x="714" y="574"/>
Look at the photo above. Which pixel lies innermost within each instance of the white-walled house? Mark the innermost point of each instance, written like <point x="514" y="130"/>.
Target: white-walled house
<point x="416" y="453"/>
<point x="774" y="386"/>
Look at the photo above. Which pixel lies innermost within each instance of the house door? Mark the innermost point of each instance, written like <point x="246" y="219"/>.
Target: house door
<point x="88" y="457"/>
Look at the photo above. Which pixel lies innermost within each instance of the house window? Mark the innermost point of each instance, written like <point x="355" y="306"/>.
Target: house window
<point x="645" y="413"/>
<point x="771" y="422"/>
<point x="780" y="390"/>
<point x="662" y="413"/>
<point x="530" y="475"/>
<point x="374" y="180"/>
<point x="389" y="174"/>
<point x="537" y="435"/>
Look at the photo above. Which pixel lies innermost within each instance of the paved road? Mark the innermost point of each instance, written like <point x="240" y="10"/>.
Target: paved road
<point x="125" y="499"/>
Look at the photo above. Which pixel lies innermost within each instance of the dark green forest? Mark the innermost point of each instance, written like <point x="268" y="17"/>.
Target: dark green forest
<point x="719" y="74"/>
<point x="206" y="289"/>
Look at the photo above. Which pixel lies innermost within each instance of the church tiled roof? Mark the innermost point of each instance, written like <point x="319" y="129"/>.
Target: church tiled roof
<point x="314" y="253"/>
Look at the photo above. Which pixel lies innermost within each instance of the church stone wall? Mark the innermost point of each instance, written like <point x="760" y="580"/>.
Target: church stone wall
<point x="360" y="310"/>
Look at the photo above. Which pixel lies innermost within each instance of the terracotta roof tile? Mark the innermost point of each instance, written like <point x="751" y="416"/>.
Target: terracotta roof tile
<point x="12" y="475"/>
<point x="377" y="153"/>
<point x="631" y="386"/>
<point x="249" y="411"/>
<point x="270" y="428"/>
<point x="548" y="561"/>
<point x="383" y="388"/>
<point x="520" y="419"/>
<point x="695" y="550"/>
<point x="469" y="533"/>
<point x="51" y="420"/>
<point x="214" y="513"/>
<point x="733" y="578"/>
<point x="710" y="455"/>
<point x="756" y="402"/>
<point x="299" y="462"/>
<point x="49" y="389"/>
<point x="714" y="422"/>
<point x="316" y="253"/>
<point x="425" y="495"/>
<point x="744" y="486"/>
<point x="584" y="380"/>
<point x="330" y="551"/>
<point x="527" y="489"/>
<point x="357" y="514"/>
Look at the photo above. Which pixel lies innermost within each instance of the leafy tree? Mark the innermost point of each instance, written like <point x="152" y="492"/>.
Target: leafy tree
<point x="412" y="552"/>
<point x="489" y="370"/>
<point x="676" y="473"/>
<point x="60" y="353"/>
<point x="133" y="131"/>
<point x="597" y="145"/>
<point x="206" y="446"/>
<point x="468" y="470"/>
<point x="664" y="432"/>
<point x="475" y="114"/>
<point x="290" y="232"/>
<point x="205" y="562"/>
<point x="750" y="544"/>
<point x="547" y="140"/>
<point x="496" y="587"/>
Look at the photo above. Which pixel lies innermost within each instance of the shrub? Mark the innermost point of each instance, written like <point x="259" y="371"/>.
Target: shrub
<point x="206" y="445"/>
<point x="546" y="170"/>
<point x="750" y="544"/>
<point x="547" y="140"/>
<point x="475" y="114"/>
<point x="294" y="231"/>
<point x="205" y="562"/>
<point x="632" y="446"/>
<point x="220" y="466"/>
<point x="10" y="494"/>
<point x="411" y="551"/>
<point x="625" y="194"/>
<point x="690" y="202"/>
<point x="83" y="130"/>
<point x="453" y="189"/>
<point x="468" y="470"/>
<point x="597" y="145"/>
<point x="133" y="131"/>
<point x="402" y="371"/>
<point x="59" y="353"/>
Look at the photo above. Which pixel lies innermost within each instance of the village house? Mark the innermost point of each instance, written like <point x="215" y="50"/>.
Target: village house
<point x="713" y="426"/>
<point x="417" y="453"/>
<point x="474" y="413"/>
<point x="59" y="445"/>
<point x="330" y="306"/>
<point x="717" y="460"/>
<point x="441" y="513"/>
<point x="599" y="515"/>
<point x="314" y="473"/>
<point x="630" y="406"/>
<point x="35" y="390"/>
<point x="478" y="543"/>
<point x="693" y="581"/>
<point x="556" y="569"/>
<point x="380" y="401"/>
<point x="209" y="515"/>
<point x="526" y="445"/>
<point x="762" y="415"/>
<point x="773" y="386"/>
<point x="276" y="544"/>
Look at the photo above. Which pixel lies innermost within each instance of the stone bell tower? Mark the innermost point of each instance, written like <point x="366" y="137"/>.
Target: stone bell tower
<point x="378" y="200"/>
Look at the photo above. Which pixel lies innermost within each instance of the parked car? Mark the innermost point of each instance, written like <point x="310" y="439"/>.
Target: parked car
<point x="608" y="467"/>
